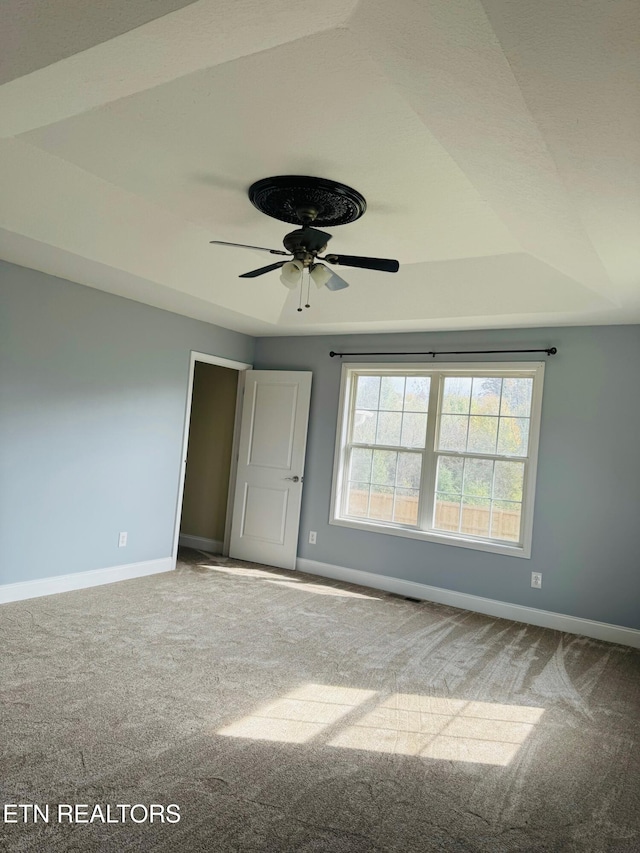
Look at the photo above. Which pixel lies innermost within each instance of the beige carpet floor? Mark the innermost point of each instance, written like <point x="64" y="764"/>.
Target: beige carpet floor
<point x="282" y="712"/>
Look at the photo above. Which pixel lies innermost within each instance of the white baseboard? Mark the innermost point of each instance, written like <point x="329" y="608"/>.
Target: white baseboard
<point x="200" y="543"/>
<point x="488" y="606"/>
<point x="82" y="580"/>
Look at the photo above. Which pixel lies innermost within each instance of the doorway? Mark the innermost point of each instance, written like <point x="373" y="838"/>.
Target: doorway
<point x="268" y="431"/>
<point x="209" y="454"/>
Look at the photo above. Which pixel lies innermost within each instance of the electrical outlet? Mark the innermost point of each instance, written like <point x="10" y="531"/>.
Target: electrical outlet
<point x="312" y="537"/>
<point x="122" y="540"/>
<point x="536" y="580"/>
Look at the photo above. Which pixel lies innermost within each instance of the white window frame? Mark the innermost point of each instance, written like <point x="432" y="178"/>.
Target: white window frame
<point x="350" y="371"/>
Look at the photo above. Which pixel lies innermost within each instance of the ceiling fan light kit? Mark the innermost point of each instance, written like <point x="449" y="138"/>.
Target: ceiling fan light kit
<point x="291" y="274"/>
<point x="303" y="200"/>
<point x="320" y="275"/>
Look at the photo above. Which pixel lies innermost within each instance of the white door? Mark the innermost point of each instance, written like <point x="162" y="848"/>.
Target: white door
<point x="273" y="439"/>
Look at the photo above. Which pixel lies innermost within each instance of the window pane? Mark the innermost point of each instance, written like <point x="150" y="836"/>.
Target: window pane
<point x="381" y="504"/>
<point x="392" y="393"/>
<point x="367" y="392"/>
<point x="505" y="520"/>
<point x="476" y="513"/>
<point x="513" y="436"/>
<point x="405" y="510"/>
<point x="364" y="427"/>
<point x="453" y="432"/>
<point x="447" y="512"/>
<point x="478" y="476"/>
<point x="416" y="395"/>
<point x="516" y="397"/>
<point x="450" y="475"/>
<point x="414" y="430"/>
<point x="485" y="395"/>
<point x="507" y="482"/>
<point x="409" y="469"/>
<point x="457" y="394"/>
<point x="384" y="467"/>
<point x="389" y="427"/>
<point x="357" y="499"/>
<point x="360" y="465"/>
<point x="483" y="433"/>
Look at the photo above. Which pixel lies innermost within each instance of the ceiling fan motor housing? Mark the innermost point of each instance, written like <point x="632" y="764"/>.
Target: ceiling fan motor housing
<point x="306" y="241"/>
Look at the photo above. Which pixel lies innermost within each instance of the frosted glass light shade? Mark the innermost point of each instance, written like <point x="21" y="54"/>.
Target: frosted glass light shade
<point x="320" y="275"/>
<point x="291" y="274"/>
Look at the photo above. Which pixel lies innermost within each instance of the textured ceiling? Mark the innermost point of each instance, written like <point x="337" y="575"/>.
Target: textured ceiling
<point x="36" y="33"/>
<point x="496" y="144"/>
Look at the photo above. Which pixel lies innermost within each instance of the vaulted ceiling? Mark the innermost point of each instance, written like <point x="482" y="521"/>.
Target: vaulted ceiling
<point x="497" y="145"/>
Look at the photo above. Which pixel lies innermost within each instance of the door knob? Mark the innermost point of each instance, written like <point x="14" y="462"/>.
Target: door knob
<point x="295" y="479"/>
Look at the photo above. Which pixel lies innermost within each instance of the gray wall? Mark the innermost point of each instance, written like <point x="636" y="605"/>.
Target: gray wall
<point x="586" y="538"/>
<point x="92" y="402"/>
<point x="92" y="399"/>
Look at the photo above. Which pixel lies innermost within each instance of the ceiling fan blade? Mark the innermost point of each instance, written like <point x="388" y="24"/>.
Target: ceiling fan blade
<point x="263" y="270"/>
<point x="336" y="283"/>
<point x="244" y="246"/>
<point x="382" y="264"/>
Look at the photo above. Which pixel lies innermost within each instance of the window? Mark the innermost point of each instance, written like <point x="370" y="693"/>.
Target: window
<point x="445" y="454"/>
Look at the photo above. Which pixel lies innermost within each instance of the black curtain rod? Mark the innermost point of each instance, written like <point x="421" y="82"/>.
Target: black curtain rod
<point x="550" y="351"/>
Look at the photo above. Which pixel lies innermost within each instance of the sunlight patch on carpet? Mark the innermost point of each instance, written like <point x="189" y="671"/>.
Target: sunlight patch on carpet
<point x="285" y="580"/>
<point x="300" y="715"/>
<point x="433" y="727"/>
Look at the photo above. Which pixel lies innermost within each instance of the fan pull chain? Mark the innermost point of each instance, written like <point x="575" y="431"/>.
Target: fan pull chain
<point x="300" y="303"/>
<point x="308" y="305"/>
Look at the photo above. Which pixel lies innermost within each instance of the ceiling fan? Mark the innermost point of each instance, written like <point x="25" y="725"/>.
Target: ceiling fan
<point x="304" y="201"/>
